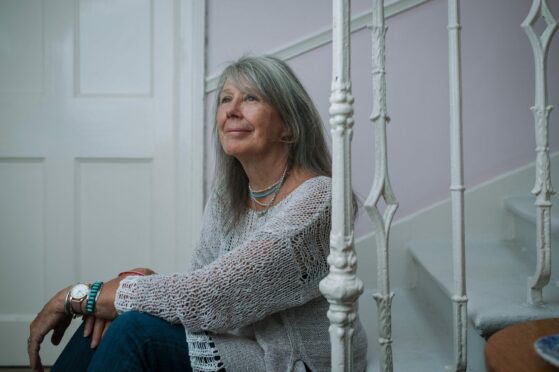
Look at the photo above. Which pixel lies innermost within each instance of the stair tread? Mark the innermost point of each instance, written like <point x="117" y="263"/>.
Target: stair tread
<point x="523" y="206"/>
<point x="496" y="281"/>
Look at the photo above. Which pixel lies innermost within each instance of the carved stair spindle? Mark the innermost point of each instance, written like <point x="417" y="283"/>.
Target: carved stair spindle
<point x="543" y="190"/>
<point x="459" y="298"/>
<point x="341" y="287"/>
<point x="381" y="188"/>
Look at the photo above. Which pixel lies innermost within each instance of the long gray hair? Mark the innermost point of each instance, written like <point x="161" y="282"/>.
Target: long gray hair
<point x="275" y="82"/>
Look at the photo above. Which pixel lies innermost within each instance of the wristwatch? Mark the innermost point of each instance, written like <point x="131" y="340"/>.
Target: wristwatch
<point x="77" y="295"/>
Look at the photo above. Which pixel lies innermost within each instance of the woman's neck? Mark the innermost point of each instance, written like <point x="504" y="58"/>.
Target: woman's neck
<point x="262" y="173"/>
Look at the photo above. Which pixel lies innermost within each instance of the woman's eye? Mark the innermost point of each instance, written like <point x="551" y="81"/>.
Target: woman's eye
<point x="225" y="99"/>
<point x="251" y="98"/>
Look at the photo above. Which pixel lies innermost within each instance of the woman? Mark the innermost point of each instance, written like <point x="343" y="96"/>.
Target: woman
<point x="250" y="301"/>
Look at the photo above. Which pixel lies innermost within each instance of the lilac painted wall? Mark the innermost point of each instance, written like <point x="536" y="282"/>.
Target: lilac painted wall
<point x="497" y="79"/>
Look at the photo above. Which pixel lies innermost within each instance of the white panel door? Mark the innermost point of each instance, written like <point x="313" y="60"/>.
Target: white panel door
<point x="88" y="150"/>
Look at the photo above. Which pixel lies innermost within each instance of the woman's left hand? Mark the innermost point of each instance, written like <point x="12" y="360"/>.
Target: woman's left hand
<point x="51" y="317"/>
<point x="96" y="328"/>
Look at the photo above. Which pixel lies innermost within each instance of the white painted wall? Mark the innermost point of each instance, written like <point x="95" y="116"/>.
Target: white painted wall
<point x="498" y="86"/>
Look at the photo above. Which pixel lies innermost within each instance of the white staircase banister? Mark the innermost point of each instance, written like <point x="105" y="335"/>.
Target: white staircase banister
<point x="381" y="188"/>
<point x="341" y="286"/>
<point x="543" y="190"/>
<point x="459" y="298"/>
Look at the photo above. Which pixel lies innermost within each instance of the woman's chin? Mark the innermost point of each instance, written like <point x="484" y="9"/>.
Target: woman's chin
<point x="234" y="151"/>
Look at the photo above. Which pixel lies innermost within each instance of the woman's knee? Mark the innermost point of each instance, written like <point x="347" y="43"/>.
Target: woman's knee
<point x="131" y="318"/>
<point x="136" y="325"/>
<point x="130" y="324"/>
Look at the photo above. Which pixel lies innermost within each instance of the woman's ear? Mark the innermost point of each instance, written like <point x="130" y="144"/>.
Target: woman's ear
<point x="286" y="134"/>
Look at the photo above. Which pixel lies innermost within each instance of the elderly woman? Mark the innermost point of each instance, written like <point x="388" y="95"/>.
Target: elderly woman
<point x="250" y="301"/>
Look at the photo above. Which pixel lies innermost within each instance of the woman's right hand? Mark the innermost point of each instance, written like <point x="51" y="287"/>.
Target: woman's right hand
<point x="51" y="317"/>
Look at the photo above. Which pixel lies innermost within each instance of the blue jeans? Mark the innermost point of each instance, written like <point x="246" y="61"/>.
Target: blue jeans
<point x="134" y="342"/>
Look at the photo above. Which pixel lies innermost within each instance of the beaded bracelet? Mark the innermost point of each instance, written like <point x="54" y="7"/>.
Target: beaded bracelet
<point x="92" y="297"/>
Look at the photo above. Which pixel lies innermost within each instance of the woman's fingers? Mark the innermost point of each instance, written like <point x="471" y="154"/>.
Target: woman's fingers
<point x="51" y="317"/>
<point x="42" y="324"/>
<point x="100" y="326"/>
<point x="59" y="330"/>
<point x="98" y="330"/>
<point x="33" y="346"/>
<point x="143" y="270"/>
<point x="107" y="324"/>
<point x="88" y="325"/>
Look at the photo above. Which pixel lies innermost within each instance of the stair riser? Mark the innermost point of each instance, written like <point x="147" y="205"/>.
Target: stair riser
<point x="435" y="302"/>
<point x="437" y="307"/>
<point x="525" y="233"/>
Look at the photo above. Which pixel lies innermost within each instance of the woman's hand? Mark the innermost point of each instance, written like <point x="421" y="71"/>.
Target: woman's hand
<point x="96" y="328"/>
<point x="138" y="271"/>
<point x="97" y="325"/>
<point x="51" y="317"/>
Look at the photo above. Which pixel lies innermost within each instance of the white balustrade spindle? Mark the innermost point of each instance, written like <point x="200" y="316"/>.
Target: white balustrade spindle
<point x="381" y="188"/>
<point x="341" y="287"/>
<point x="543" y="190"/>
<point x="459" y="298"/>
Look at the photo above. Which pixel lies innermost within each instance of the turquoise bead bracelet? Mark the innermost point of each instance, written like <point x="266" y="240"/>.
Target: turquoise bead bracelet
<point x="92" y="297"/>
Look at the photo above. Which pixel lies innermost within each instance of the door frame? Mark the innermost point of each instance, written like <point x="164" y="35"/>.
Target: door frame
<point x="190" y="121"/>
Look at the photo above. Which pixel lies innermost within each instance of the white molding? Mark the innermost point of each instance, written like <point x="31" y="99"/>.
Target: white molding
<point x="190" y="145"/>
<point x="323" y="37"/>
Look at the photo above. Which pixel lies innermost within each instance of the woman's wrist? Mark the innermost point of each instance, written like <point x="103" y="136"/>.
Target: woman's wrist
<point x="94" y="301"/>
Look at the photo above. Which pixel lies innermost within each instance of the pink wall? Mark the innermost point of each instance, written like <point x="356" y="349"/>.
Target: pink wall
<point x="497" y="80"/>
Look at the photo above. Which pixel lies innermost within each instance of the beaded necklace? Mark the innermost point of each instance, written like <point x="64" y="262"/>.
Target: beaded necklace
<point x="272" y="189"/>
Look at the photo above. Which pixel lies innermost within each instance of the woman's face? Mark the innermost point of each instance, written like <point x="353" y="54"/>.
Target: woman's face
<point x="248" y="127"/>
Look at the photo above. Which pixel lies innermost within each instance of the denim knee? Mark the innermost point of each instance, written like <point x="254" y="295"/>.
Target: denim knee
<point x="136" y="325"/>
<point x="130" y="320"/>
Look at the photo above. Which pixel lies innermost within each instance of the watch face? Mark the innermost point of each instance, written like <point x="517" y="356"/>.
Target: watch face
<point x="79" y="291"/>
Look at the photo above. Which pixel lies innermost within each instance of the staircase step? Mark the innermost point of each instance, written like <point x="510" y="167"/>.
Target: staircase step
<point x="417" y="344"/>
<point x="496" y="281"/>
<point x="523" y="207"/>
<point x="524" y="214"/>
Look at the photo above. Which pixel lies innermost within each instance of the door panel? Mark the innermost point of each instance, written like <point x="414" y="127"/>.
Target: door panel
<point x="87" y="150"/>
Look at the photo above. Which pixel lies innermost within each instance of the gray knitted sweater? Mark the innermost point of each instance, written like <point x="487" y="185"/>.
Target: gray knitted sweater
<point x="251" y="301"/>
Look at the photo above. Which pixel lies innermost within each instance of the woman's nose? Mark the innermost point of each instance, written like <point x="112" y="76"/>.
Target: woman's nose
<point x="233" y="109"/>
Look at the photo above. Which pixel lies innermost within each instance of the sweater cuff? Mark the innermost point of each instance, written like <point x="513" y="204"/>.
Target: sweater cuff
<point x="125" y="298"/>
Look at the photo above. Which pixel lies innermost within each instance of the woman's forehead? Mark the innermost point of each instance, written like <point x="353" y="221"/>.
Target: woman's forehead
<point x="239" y="83"/>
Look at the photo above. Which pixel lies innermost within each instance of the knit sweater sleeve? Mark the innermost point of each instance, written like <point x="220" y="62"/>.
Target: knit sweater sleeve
<point x="207" y="250"/>
<point x="278" y="266"/>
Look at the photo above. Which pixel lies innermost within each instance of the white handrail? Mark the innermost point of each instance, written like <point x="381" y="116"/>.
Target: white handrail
<point x="341" y="287"/>
<point x="381" y="188"/>
<point x="459" y="298"/>
<point x="543" y="190"/>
